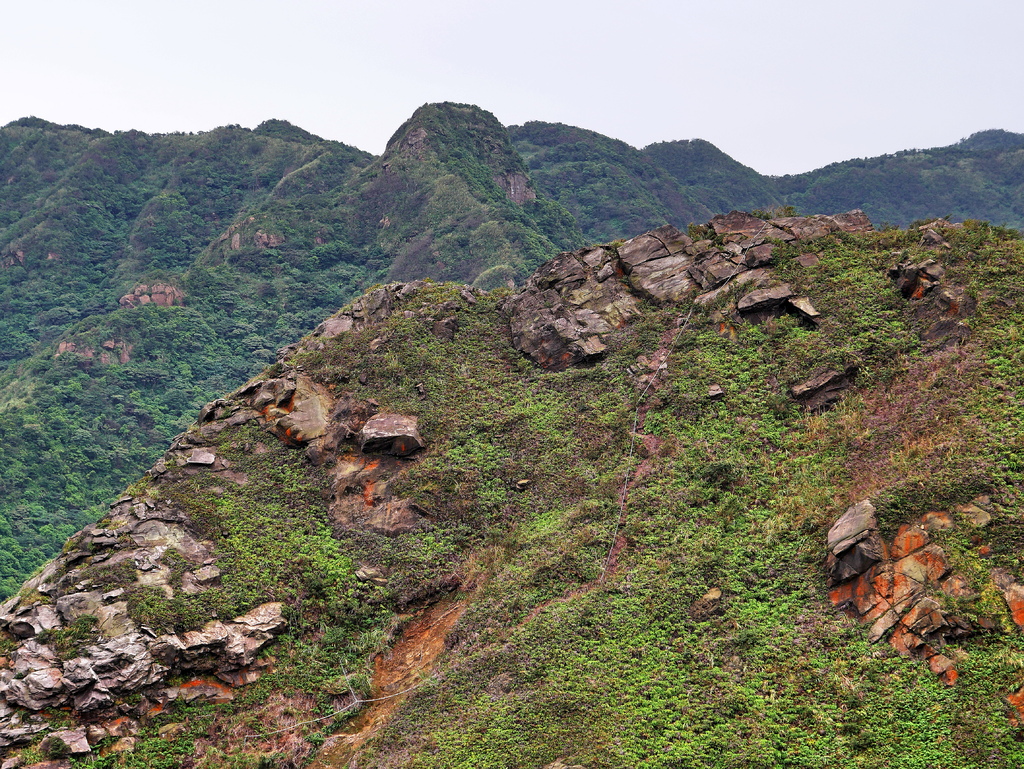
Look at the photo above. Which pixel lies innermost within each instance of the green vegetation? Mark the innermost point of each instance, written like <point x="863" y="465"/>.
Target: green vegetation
<point x="265" y="232"/>
<point x="612" y="189"/>
<point x="980" y="177"/>
<point x="641" y="668"/>
<point x="715" y="179"/>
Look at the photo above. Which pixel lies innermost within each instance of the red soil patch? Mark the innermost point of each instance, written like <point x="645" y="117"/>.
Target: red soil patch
<point x="415" y="653"/>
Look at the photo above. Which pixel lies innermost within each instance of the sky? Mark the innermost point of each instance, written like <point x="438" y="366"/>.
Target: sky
<point x="784" y="86"/>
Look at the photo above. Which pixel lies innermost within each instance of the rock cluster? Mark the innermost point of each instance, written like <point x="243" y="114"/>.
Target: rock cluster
<point x="110" y="350"/>
<point x="903" y="587"/>
<point x="823" y="388"/>
<point x="940" y="306"/>
<point x="565" y="311"/>
<point x="135" y="661"/>
<point x="160" y="294"/>
<point x="376" y="306"/>
<point x="126" y="658"/>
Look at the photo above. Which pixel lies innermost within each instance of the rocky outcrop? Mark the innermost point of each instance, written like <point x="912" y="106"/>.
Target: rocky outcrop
<point x="109" y="351"/>
<point x="824" y="388"/>
<point x="905" y="586"/>
<point x="789" y="228"/>
<point x="376" y="306"/>
<point x="940" y="306"/>
<point x="102" y="675"/>
<point x="391" y="434"/>
<point x="160" y="294"/>
<point x="122" y="658"/>
<point x="516" y="185"/>
<point x="566" y="310"/>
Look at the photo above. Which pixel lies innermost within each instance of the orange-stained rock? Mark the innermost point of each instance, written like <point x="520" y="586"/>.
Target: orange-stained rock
<point x="925" y="565"/>
<point x="907" y="540"/>
<point x="882" y="626"/>
<point x="904" y="641"/>
<point x="937" y="520"/>
<point x="939" y="664"/>
<point x="858" y="596"/>
<point x="1012" y="592"/>
<point x="925" y="617"/>
<point x="1015" y="602"/>
<point x="1017" y="702"/>
<point x="907" y="576"/>
<point x="882" y="577"/>
<point x="957" y="587"/>
<point x="880" y="607"/>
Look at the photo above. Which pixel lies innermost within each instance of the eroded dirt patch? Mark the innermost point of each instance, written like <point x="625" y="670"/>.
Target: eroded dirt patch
<point x="395" y="676"/>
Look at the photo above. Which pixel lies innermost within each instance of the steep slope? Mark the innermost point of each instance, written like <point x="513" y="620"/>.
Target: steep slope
<point x="97" y="231"/>
<point x="749" y="500"/>
<point x="980" y="177"/>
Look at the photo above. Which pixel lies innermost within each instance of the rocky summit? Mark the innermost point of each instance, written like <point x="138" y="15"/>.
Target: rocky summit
<point x="744" y="495"/>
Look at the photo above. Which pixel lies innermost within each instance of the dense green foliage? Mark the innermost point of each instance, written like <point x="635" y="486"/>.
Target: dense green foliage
<point x="980" y="177"/>
<point x="264" y="231"/>
<point x="615" y="190"/>
<point x="715" y="179"/>
<point x="612" y="189"/>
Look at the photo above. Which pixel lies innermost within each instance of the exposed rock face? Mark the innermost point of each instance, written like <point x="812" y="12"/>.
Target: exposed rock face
<point x="824" y="388"/>
<point x="942" y="307"/>
<point x="129" y="663"/>
<point x="391" y="434"/>
<point x="568" y="307"/>
<point x="267" y="240"/>
<point x="160" y="294"/>
<point x="900" y="586"/>
<point x="109" y="351"/>
<point x="517" y="186"/>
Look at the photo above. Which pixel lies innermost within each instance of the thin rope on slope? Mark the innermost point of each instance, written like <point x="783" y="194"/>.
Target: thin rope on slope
<point x="632" y="444"/>
<point x="356" y="703"/>
<point x="636" y="418"/>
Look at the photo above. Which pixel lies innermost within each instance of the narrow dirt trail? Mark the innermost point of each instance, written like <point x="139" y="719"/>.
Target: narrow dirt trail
<point x="415" y="653"/>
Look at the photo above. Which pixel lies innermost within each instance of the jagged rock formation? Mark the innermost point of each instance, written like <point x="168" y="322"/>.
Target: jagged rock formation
<point x="160" y="294"/>
<point x="566" y="308"/>
<point x="940" y="305"/>
<point x="903" y="586"/>
<point x="132" y="659"/>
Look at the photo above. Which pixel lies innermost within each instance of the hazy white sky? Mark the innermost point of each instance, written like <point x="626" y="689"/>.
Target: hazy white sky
<point x="783" y="86"/>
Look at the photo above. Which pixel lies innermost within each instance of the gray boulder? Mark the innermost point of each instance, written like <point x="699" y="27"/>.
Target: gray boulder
<point x="391" y="434"/>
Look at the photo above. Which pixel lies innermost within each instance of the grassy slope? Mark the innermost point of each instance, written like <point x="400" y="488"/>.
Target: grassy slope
<point x="550" y="663"/>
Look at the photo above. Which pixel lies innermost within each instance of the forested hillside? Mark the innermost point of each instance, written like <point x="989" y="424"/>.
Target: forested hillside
<point x="142" y="274"/>
<point x="607" y="184"/>
<point x="981" y="177"/>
